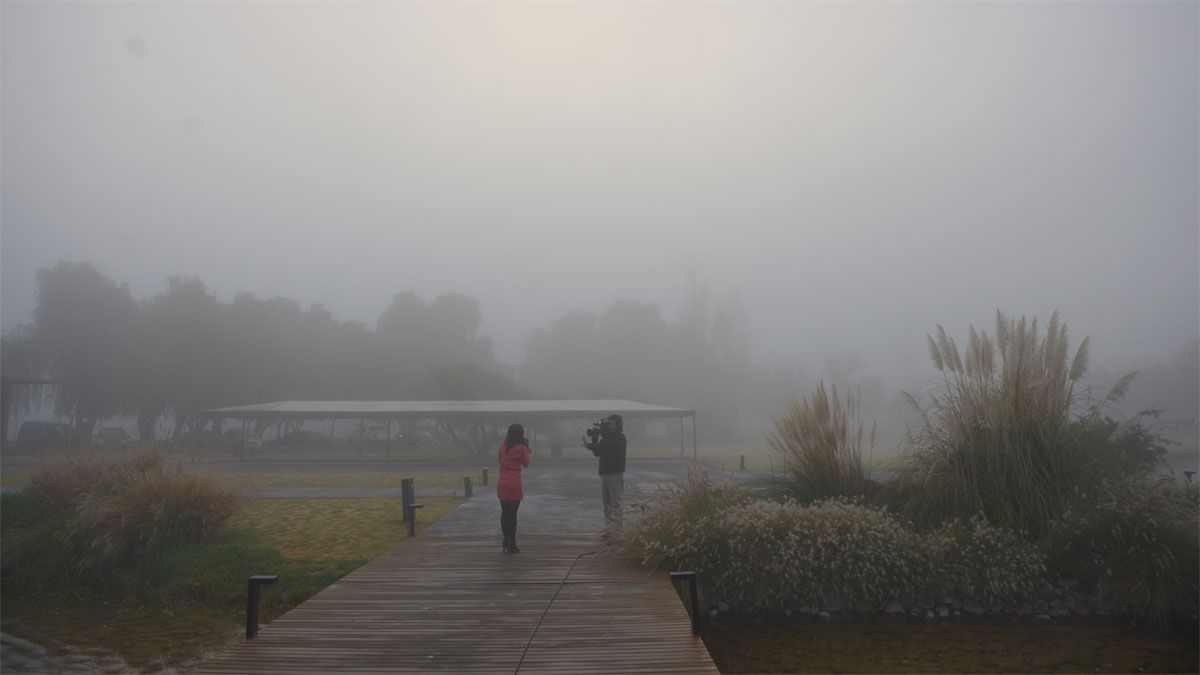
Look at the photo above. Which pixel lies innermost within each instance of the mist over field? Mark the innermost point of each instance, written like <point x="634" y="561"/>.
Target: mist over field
<point x="809" y="336"/>
<point x="713" y="206"/>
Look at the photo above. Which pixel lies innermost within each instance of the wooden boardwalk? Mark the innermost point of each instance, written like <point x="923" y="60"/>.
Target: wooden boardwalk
<point x="457" y="603"/>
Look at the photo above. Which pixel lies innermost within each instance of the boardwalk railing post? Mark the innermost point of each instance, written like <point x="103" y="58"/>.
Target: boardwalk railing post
<point x="412" y="518"/>
<point x="405" y="498"/>
<point x="408" y="493"/>
<point x="253" y="593"/>
<point x="467" y="486"/>
<point x="694" y="597"/>
<point x="483" y="476"/>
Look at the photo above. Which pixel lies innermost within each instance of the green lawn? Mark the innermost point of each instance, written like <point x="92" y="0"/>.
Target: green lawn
<point x="196" y="602"/>
<point x="330" y="480"/>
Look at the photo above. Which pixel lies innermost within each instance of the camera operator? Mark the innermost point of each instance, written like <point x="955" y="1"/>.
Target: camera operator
<point x="608" y="443"/>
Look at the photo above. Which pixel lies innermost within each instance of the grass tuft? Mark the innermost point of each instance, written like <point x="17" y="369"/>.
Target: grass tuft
<point x="819" y="441"/>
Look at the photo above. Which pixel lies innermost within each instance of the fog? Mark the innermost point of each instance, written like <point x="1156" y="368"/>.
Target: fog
<point x="855" y="173"/>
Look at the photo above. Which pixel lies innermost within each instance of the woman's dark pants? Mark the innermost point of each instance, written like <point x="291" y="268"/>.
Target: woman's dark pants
<point x="508" y="520"/>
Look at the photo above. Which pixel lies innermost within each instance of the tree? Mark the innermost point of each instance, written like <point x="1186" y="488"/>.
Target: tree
<point x="83" y="323"/>
<point x="190" y="362"/>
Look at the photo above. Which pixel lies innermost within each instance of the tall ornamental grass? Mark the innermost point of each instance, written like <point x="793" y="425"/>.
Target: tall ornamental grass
<point x="819" y="440"/>
<point x="98" y="513"/>
<point x="995" y="438"/>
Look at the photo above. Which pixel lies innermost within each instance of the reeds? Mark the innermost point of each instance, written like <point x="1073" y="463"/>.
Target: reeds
<point x="819" y="441"/>
<point x="995" y="437"/>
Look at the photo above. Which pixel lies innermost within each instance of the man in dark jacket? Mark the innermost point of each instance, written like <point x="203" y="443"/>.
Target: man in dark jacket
<point x="611" y="451"/>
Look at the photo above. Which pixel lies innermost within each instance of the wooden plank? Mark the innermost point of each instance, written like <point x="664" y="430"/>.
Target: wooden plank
<point x="458" y="604"/>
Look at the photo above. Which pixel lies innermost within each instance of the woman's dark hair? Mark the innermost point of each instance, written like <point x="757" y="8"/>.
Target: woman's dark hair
<point x="618" y="423"/>
<point x="514" y="437"/>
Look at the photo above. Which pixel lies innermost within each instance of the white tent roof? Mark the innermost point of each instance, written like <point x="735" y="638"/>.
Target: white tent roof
<point x="443" y="409"/>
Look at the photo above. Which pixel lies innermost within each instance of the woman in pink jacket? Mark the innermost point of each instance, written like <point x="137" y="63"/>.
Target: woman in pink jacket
<point x="514" y="455"/>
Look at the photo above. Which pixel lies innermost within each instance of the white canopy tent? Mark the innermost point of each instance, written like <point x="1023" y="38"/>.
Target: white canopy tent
<point x="528" y="412"/>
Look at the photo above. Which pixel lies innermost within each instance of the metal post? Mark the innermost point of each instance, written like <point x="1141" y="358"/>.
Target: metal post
<point x="742" y="463"/>
<point x="467" y="486"/>
<point x="411" y="508"/>
<point x="245" y="441"/>
<point x="389" y="439"/>
<point x="362" y="438"/>
<point x="680" y="438"/>
<point x="405" y="497"/>
<point x="253" y="593"/>
<point x="483" y="476"/>
<point x="694" y="457"/>
<point x="693" y="596"/>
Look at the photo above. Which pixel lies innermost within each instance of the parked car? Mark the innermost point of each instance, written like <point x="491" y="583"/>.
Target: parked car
<point x="202" y="439"/>
<point x="422" y="440"/>
<point x="372" y="433"/>
<point x="250" y="441"/>
<point x="113" y="437"/>
<point x="301" y="439"/>
<point x="42" y="435"/>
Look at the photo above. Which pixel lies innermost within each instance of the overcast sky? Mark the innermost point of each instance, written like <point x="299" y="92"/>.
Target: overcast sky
<point x="859" y="172"/>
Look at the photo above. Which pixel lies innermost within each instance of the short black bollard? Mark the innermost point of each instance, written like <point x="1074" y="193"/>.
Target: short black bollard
<point x="253" y="593"/>
<point x="406" y="498"/>
<point x="690" y="577"/>
<point x="467" y="486"/>
<point x="483" y="476"/>
<point x="412" y="518"/>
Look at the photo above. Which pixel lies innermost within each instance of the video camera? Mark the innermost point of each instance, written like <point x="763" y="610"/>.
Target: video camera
<point x="595" y="430"/>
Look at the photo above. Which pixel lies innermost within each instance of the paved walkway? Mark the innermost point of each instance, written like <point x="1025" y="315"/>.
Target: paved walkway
<point x="557" y="499"/>
<point x="452" y="601"/>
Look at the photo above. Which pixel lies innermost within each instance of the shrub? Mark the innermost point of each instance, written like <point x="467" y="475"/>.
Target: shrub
<point x="995" y="439"/>
<point x="669" y="522"/>
<point x="1131" y="448"/>
<point x="28" y="529"/>
<point x="775" y="555"/>
<point x="975" y="561"/>
<point x="1136" y="543"/>
<point x="819" y="440"/>
<point x="111" y="511"/>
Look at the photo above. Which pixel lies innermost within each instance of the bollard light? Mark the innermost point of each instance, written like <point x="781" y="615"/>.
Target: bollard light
<point x="253" y="593"/>
<point x="690" y="578"/>
<point x="412" y="518"/>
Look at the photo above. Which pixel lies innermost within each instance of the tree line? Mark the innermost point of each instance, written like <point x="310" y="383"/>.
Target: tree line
<point x="182" y="351"/>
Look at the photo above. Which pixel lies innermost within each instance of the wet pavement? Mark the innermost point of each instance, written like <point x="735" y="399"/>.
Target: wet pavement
<point x="559" y="498"/>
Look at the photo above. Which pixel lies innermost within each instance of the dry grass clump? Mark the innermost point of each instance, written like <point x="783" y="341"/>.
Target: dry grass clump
<point x="820" y="442"/>
<point x="111" y="510"/>
<point x="63" y="482"/>
<point x="995" y="438"/>
<point x="1136" y="543"/>
<point x="975" y="561"/>
<point x="674" y="524"/>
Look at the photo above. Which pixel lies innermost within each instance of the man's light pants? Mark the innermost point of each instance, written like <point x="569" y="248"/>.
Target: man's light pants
<point x="612" y="491"/>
